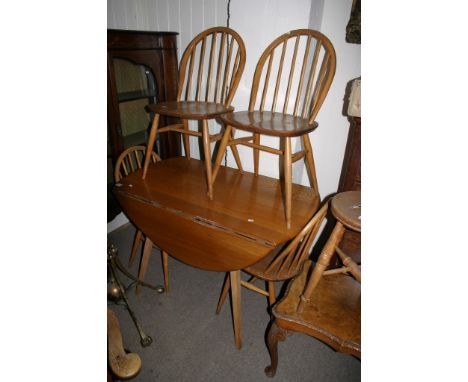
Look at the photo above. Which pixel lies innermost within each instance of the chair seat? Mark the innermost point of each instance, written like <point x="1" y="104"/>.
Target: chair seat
<point x="261" y="270"/>
<point x="268" y="123"/>
<point x="189" y="109"/>
<point x="333" y="315"/>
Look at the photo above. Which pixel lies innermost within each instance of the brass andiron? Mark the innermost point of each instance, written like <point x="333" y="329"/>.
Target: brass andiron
<point x="117" y="292"/>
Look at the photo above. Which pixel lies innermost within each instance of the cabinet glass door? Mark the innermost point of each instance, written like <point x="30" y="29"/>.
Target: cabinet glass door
<point x="136" y="88"/>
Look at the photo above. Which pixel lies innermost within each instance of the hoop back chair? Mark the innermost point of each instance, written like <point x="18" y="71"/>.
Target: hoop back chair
<point x="281" y="264"/>
<point x="326" y="305"/>
<point x="291" y="81"/>
<point x="210" y="70"/>
<point x="129" y="161"/>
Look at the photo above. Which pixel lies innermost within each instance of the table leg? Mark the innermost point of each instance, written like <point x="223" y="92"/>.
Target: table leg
<point x="147" y="249"/>
<point x="236" y="307"/>
<point x="165" y="260"/>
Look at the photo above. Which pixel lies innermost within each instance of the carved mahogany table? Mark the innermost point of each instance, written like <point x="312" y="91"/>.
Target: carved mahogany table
<point x="241" y="225"/>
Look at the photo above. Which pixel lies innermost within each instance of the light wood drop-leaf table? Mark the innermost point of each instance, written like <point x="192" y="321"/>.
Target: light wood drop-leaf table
<point x="242" y="224"/>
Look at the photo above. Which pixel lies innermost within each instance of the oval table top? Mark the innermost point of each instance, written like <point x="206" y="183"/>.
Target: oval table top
<point x="243" y="223"/>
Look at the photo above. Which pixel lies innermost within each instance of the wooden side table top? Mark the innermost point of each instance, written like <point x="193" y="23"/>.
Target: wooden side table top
<point x="346" y="207"/>
<point x="241" y="225"/>
<point x="333" y="314"/>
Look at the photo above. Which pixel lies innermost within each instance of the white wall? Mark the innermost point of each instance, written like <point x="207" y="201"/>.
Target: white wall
<point x="329" y="140"/>
<point x="259" y="22"/>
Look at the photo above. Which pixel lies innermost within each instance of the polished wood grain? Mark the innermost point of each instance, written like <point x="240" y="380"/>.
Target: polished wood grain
<point x="210" y="70"/>
<point x="242" y="224"/>
<point x="326" y="305"/>
<point x="333" y="316"/>
<point x="278" y="91"/>
<point x="131" y="160"/>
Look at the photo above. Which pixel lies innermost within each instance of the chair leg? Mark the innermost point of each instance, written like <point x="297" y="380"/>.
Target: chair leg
<point x="349" y="263"/>
<point x="165" y="261"/>
<point x="186" y="139"/>
<point x="207" y="152"/>
<point x="310" y="162"/>
<point x="252" y="279"/>
<point x="221" y="151"/>
<point x="271" y="293"/>
<point x="136" y="244"/>
<point x="256" y="153"/>
<point x="288" y="180"/>
<point x="144" y="262"/>
<point x="236" y="305"/>
<point x="275" y="334"/>
<point x="151" y="140"/>
<point x="235" y="152"/>
<point x="224" y="293"/>
<point x="321" y="265"/>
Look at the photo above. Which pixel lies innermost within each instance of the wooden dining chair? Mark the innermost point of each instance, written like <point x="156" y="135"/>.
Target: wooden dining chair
<point x="129" y="161"/>
<point x="291" y="81"/>
<point x="281" y="264"/>
<point x="326" y="305"/>
<point x="209" y="74"/>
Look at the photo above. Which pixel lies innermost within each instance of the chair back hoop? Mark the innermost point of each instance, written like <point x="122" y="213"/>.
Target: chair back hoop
<point x="131" y="160"/>
<point x="299" y="75"/>
<point x="211" y="66"/>
<point x="297" y="251"/>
